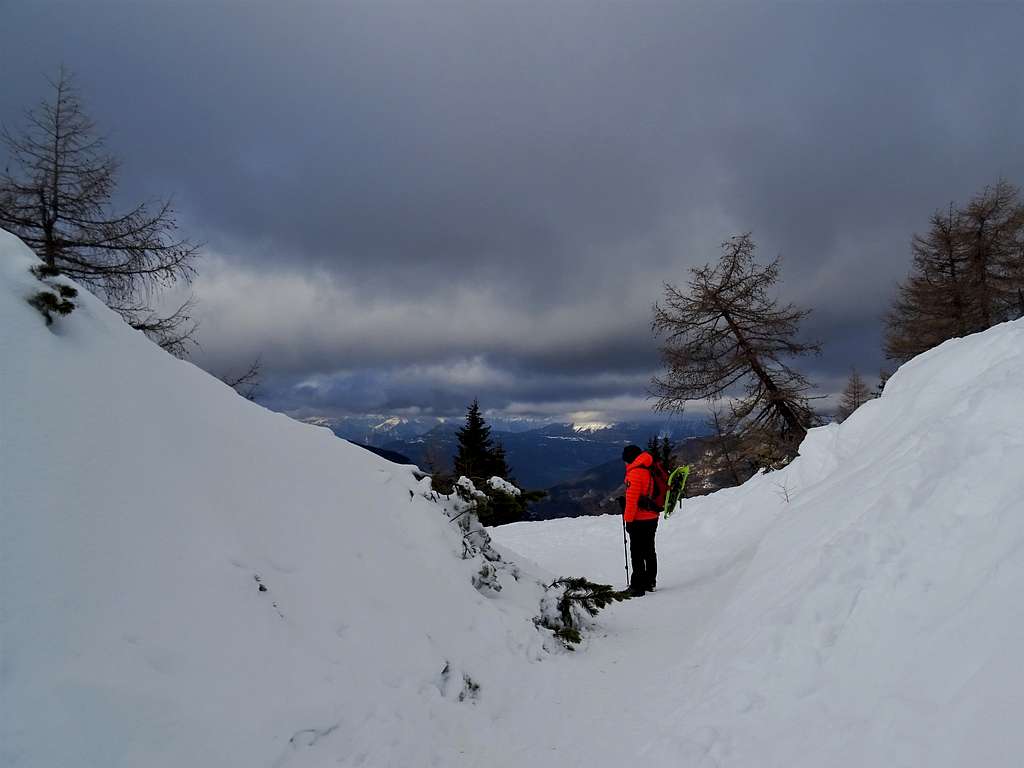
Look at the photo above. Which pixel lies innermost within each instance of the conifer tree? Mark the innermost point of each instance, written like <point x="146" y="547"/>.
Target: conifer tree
<point x="724" y="332"/>
<point x="667" y="448"/>
<point x="479" y="458"/>
<point x="967" y="274"/>
<point x="854" y="395"/>
<point x="992" y="234"/>
<point x="55" y="195"/>
<point x="931" y="305"/>
<point x="475" y="455"/>
<point x="661" y="450"/>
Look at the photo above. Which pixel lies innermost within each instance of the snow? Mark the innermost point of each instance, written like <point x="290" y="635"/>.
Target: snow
<point x="591" y="426"/>
<point x="469" y="489"/>
<point x="391" y="423"/>
<point x="500" y="484"/>
<point x="143" y="504"/>
<point x="860" y="607"/>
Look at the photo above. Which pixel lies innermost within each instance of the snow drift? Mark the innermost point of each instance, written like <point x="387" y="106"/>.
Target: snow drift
<point x="860" y="607"/>
<point x="188" y="579"/>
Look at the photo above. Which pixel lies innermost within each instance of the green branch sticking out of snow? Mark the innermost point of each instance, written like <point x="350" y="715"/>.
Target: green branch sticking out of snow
<point x="569" y="602"/>
<point x="56" y="299"/>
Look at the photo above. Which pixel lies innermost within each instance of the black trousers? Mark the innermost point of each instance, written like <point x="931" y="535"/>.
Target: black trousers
<point x="641" y="552"/>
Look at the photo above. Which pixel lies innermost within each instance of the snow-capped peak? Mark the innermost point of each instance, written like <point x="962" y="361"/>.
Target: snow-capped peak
<point x="591" y="426"/>
<point x="391" y="423"/>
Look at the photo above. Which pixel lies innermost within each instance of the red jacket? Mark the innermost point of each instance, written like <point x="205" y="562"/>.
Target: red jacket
<point x="639" y="482"/>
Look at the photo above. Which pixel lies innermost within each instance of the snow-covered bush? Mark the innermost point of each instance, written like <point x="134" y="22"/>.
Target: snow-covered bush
<point x="569" y="604"/>
<point x="463" y="509"/>
<point x="464" y="486"/>
<point x="504" y="486"/>
<point x="500" y="502"/>
<point x="55" y="298"/>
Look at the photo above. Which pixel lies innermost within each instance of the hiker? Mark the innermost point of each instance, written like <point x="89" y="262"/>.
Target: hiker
<point x="640" y="514"/>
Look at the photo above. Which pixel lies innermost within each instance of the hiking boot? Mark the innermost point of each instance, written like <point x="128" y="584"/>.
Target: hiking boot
<point x="636" y="592"/>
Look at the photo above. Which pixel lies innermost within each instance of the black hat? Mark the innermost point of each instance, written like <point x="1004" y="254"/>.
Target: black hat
<point x="630" y="452"/>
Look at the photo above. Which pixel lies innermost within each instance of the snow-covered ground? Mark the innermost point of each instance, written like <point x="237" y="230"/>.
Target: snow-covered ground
<point x="187" y="579"/>
<point x="860" y="607"/>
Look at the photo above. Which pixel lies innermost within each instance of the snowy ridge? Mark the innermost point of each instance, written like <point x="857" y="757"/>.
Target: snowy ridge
<point x="189" y="579"/>
<point x="860" y="607"/>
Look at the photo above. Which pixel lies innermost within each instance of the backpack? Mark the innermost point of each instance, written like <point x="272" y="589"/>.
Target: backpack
<point x="655" y="500"/>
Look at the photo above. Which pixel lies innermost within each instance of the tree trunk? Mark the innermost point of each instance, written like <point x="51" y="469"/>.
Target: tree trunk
<point x="779" y="404"/>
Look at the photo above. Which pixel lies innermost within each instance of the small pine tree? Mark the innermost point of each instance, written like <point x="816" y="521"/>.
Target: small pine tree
<point x="854" y="396"/>
<point x="579" y="597"/>
<point x="479" y="459"/>
<point x="478" y="456"/>
<point x="475" y="455"/>
<point x="667" y="449"/>
<point x="501" y="508"/>
<point x="661" y="450"/>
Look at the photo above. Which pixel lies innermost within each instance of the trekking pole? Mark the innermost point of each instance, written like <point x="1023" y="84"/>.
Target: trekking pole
<point x="625" y="550"/>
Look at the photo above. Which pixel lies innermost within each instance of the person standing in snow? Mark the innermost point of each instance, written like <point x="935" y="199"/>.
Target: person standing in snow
<point x="641" y="519"/>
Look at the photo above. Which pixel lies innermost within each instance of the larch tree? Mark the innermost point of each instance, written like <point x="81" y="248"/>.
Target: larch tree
<point x="992" y="234"/>
<point x="724" y="335"/>
<point x="854" y="395"/>
<point x="55" y="194"/>
<point x="967" y="274"/>
<point x="932" y="304"/>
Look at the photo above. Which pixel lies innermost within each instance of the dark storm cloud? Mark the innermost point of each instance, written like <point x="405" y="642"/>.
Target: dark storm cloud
<point x="376" y="164"/>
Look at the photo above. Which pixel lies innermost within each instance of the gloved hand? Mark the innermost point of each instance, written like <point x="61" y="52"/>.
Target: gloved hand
<point x="622" y="504"/>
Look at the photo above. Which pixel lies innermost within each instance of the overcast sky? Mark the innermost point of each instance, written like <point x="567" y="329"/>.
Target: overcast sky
<point x="409" y="204"/>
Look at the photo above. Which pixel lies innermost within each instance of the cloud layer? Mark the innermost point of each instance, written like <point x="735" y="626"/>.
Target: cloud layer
<point x="408" y="204"/>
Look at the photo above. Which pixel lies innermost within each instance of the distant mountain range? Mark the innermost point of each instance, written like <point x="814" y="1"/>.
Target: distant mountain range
<point x="377" y="431"/>
<point x="566" y="458"/>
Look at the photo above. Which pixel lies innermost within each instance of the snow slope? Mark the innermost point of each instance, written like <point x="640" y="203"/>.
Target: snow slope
<point x="861" y="607"/>
<point x="142" y="506"/>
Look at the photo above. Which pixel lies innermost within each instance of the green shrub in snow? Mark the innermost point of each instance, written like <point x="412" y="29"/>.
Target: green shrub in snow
<point x="569" y="602"/>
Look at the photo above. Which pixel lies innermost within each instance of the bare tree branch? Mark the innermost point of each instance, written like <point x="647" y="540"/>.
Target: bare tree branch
<point x="248" y="383"/>
<point x="58" y="201"/>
